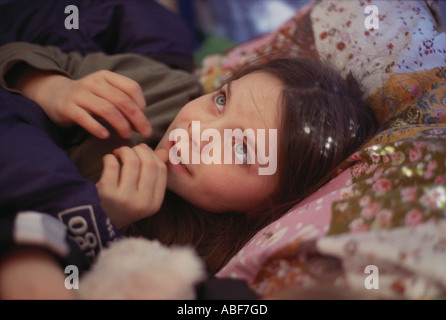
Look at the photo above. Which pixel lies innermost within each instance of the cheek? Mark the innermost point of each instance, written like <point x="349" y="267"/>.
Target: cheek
<point x="215" y="182"/>
<point x="233" y="190"/>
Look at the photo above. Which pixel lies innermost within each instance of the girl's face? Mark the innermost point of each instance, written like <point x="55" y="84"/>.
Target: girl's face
<point x="251" y="102"/>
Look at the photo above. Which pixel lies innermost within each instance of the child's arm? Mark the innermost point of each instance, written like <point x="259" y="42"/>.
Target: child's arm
<point x="104" y="94"/>
<point x="32" y="274"/>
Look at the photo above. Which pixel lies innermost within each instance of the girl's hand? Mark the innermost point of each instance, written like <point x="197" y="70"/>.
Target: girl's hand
<point x="103" y="94"/>
<point x="133" y="183"/>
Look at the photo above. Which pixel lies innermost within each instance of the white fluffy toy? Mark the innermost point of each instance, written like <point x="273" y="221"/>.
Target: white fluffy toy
<point x="136" y="268"/>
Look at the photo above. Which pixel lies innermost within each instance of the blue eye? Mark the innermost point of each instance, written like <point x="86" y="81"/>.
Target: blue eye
<point x="241" y="153"/>
<point x="220" y="101"/>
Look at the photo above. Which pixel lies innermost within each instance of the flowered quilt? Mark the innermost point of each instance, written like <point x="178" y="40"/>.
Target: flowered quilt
<point x="378" y="229"/>
<point x="391" y="217"/>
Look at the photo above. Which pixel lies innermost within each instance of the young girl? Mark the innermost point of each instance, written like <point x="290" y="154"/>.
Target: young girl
<point x="320" y="120"/>
<point x="319" y="117"/>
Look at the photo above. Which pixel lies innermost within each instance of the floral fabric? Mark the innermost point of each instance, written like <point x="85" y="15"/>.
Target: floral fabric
<point x="407" y="38"/>
<point x="392" y="190"/>
<point x="412" y="98"/>
<point x="397" y="193"/>
<point x="405" y="263"/>
<point x="400" y="175"/>
<point x="307" y="220"/>
<point x="409" y="260"/>
<point x="392" y="216"/>
<point x="293" y="38"/>
<point x="400" y="183"/>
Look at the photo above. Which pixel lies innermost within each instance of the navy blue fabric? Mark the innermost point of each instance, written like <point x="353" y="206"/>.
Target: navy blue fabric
<point x="35" y="171"/>
<point x="110" y="26"/>
<point x="37" y="174"/>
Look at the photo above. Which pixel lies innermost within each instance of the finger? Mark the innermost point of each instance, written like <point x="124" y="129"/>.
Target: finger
<point x="163" y="154"/>
<point x="110" y="173"/>
<point x="106" y="110"/>
<point x="129" y="86"/>
<point x="86" y="121"/>
<point x="161" y="185"/>
<point x="147" y="175"/>
<point x="153" y="170"/>
<point x="126" y="104"/>
<point x="130" y="169"/>
<point x="157" y="156"/>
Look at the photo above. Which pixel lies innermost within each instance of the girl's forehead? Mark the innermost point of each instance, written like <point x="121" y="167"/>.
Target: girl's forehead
<point x="256" y="97"/>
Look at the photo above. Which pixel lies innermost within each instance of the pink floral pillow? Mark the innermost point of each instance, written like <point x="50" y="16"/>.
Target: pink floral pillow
<point x="407" y="38"/>
<point x="309" y="219"/>
<point x="392" y="217"/>
<point x="293" y="38"/>
<point x="398" y="183"/>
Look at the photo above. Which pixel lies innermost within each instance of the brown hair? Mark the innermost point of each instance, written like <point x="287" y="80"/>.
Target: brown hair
<point x="323" y="121"/>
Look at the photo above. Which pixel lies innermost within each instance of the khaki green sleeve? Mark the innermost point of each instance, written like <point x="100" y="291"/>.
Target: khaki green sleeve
<point x="165" y="90"/>
<point x="43" y="58"/>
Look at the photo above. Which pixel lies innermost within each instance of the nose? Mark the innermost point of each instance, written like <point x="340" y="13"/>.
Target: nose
<point x="202" y="133"/>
